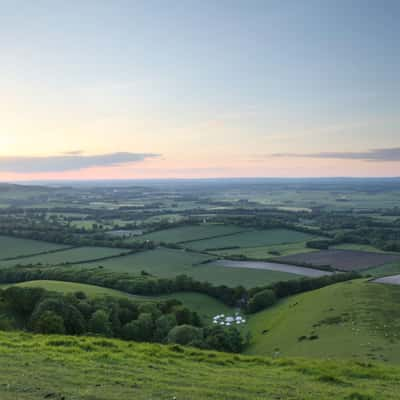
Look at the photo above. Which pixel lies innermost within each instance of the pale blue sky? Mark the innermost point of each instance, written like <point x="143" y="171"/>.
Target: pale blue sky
<point x="222" y="80"/>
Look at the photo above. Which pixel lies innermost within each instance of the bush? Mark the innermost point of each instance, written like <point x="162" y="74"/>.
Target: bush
<point x="100" y="324"/>
<point x="185" y="334"/>
<point x="261" y="300"/>
<point x="48" y="323"/>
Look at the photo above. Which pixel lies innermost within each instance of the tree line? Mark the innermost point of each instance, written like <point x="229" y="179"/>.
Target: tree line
<point x="42" y="311"/>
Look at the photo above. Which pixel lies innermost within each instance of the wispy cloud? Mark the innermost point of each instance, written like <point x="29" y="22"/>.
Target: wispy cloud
<point x="73" y="153"/>
<point x="69" y="162"/>
<point x="378" y="155"/>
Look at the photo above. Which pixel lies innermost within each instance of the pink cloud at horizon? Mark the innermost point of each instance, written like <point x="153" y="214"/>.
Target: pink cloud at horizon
<point x="283" y="167"/>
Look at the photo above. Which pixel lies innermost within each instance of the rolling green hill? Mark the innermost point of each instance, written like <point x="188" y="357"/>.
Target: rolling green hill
<point x="355" y="319"/>
<point x="35" y="367"/>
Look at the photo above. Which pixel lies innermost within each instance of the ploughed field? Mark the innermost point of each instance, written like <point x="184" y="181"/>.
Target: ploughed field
<point x="343" y="260"/>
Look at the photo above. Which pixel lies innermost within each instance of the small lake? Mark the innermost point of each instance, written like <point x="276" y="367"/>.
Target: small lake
<point x="271" y="266"/>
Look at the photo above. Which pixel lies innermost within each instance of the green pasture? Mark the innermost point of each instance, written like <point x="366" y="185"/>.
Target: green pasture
<point x="11" y="247"/>
<point x="254" y="238"/>
<point x="76" y="255"/>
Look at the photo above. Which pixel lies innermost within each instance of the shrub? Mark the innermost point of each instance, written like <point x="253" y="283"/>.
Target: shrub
<point x="184" y="334"/>
<point x="261" y="300"/>
<point x="100" y="324"/>
<point x="49" y="322"/>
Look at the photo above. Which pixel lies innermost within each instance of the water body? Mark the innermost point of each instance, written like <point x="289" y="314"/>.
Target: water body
<point x="390" y="280"/>
<point x="292" y="269"/>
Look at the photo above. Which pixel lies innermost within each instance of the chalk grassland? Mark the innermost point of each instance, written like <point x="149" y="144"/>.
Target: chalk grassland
<point x="206" y="306"/>
<point x="76" y="255"/>
<point x="168" y="263"/>
<point x="344" y="260"/>
<point x="194" y="232"/>
<point x="95" y="368"/>
<point x="252" y="238"/>
<point x="11" y="247"/>
<point x="355" y="319"/>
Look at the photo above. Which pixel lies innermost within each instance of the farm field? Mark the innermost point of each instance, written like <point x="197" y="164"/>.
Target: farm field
<point x="167" y="263"/>
<point x="355" y="319"/>
<point x="264" y="252"/>
<point x="189" y="233"/>
<point x="85" y="368"/>
<point x="383" y="270"/>
<point x="252" y="238"/>
<point x="271" y="266"/>
<point x="233" y="277"/>
<point x="11" y="247"/>
<point x="162" y="262"/>
<point x="76" y="255"/>
<point x="358" y="247"/>
<point x="344" y="260"/>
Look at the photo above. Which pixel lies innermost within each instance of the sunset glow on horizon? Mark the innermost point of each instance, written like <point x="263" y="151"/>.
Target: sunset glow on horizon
<point x="146" y="90"/>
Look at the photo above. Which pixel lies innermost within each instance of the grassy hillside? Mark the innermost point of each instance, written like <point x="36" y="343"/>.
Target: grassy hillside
<point x="93" y="368"/>
<point x="355" y="319"/>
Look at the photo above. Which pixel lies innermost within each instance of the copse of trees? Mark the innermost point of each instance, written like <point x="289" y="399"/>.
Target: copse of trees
<point x="45" y="312"/>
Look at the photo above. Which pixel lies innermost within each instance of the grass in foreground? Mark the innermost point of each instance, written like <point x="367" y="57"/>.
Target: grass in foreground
<point x="60" y="367"/>
<point x="355" y="319"/>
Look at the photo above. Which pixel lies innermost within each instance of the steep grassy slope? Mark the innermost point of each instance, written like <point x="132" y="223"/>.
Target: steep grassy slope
<point x="355" y="319"/>
<point x="59" y="367"/>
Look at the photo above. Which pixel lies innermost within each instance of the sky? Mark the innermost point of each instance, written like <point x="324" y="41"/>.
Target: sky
<point x="199" y="89"/>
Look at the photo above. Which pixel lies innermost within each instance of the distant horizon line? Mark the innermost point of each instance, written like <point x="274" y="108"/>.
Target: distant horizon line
<point x="204" y="179"/>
